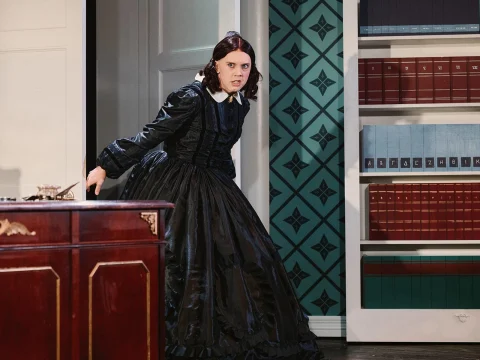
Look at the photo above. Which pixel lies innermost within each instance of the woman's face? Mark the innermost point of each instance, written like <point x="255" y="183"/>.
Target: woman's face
<point x="233" y="70"/>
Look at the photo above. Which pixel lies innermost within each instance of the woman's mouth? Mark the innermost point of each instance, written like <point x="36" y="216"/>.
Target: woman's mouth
<point x="236" y="82"/>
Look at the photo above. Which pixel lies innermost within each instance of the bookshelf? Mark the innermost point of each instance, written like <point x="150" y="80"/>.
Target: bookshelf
<point x="416" y="108"/>
<point x="399" y="325"/>
<point x="371" y="42"/>
<point x="426" y="174"/>
<point x="418" y="242"/>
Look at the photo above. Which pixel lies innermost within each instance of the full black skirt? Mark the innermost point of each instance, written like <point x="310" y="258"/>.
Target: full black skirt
<point x="228" y="295"/>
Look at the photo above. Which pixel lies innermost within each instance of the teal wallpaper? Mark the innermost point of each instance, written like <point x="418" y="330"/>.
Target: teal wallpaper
<point x="306" y="149"/>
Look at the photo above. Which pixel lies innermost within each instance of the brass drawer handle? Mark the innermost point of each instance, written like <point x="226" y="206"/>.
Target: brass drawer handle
<point x="13" y="228"/>
<point x="151" y="219"/>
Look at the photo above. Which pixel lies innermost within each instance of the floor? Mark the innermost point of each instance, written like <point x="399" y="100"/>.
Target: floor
<point x="337" y="349"/>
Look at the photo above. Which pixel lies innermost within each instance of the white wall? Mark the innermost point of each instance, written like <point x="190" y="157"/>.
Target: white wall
<point x="41" y="95"/>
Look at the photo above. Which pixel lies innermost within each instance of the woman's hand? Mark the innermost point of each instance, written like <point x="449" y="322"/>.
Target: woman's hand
<point x="96" y="176"/>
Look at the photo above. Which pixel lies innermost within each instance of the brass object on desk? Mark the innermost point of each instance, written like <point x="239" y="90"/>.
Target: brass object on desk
<point x="50" y="192"/>
<point x="47" y="190"/>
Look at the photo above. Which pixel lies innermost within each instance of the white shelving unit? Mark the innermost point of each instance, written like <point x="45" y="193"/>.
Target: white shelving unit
<point x="398" y="325"/>
<point x="415" y="108"/>
<point x="386" y="41"/>
<point x="418" y="242"/>
<point x="454" y="174"/>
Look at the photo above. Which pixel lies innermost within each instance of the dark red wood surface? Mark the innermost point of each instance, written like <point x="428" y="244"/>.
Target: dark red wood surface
<point x="50" y="228"/>
<point x="82" y="205"/>
<point x="97" y="265"/>
<point x="119" y="303"/>
<point x="110" y="225"/>
<point x="35" y="290"/>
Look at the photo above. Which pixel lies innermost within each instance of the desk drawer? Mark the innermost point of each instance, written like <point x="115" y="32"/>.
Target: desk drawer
<point x="34" y="228"/>
<point x="119" y="225"/>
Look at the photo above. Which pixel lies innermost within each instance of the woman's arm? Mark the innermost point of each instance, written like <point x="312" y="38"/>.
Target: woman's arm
<point x="121" y="154"/>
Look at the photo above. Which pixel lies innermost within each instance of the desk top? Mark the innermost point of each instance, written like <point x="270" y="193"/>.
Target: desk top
<point x="83" y="205"/>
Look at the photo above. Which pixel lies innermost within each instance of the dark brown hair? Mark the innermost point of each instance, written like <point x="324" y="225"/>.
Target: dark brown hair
<point x="232" y="42"/>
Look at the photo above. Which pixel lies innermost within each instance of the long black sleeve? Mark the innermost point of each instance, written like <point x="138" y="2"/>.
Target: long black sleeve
<point x="120" y="155"/>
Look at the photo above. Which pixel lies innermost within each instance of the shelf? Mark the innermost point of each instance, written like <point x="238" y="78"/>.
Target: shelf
<point x="424" y="173"/>
<point x="368" y="325"/>
<point x="416" y="108"/>
<point x="421" y="177"/>
<point x="414" y="326"/>
<point x="419" y="242"/>
<point x="387" y="41"/>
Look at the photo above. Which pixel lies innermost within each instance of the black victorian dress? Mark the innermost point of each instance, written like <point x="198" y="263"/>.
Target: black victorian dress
<point x="228" y="295"/>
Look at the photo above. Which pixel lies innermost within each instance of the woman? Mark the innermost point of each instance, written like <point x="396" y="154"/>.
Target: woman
<point x="228" y="295"/>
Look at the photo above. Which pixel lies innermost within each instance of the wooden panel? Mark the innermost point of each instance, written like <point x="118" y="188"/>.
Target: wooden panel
<point x="14" y="17"/>
<point x="177" y="14"/>
<point x="49" y="228"/>
<point x="42" y="86"/>
<point x="125" y="225"/>
<point x="35" y="299"/>
<point x="36" y="77"/>
<point x="119" y="293"/>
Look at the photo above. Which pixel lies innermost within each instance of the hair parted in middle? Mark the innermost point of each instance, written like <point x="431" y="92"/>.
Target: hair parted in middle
<point x="232" y="42"/>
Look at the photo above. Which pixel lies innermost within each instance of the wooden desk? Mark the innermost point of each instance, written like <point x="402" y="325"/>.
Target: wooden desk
<point x="86" y="282"/>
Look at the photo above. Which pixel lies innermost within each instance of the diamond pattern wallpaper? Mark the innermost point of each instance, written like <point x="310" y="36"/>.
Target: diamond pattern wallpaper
<point x="306" y="149"/>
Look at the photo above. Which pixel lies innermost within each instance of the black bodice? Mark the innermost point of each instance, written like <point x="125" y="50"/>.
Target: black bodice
<point x="194" y="127"/>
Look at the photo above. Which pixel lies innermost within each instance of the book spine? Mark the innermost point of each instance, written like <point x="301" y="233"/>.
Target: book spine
<point x="442" y="212"/>
<point x="408" y="83"/>
<point x="450" y="206"/>
<point x="361" y="82"/>
<point x="425" y="212"/>
<point x="459" y="211"/>
<point x="374" y="81"/>
<point x="391" y="233"/>
<point x="393" y="149"/>
<point x="368" y="148"/>
<point x="373" y="211"/>
<point x="429" y="153"/>
<point x="476" y="211"/>
<point x="416" y="230"/>
<point x="381" y="147"/>
<point x="441" y="80"/>
<point x="441" y="151"/>
<point x="467" y="146"/>
<point x="407" y="211"/>
<point x="382" y="212"/>
<point x="417" y="147"/>
<point x="468" y="233"/>
<point x="399" y="213"/>
<point x="424" y="80"/>
<point x="473" y="78"/>
<point x="453" y="141"/>
<point x="431" y="211"/>
<point x="391" y="81"/>
<point x="405" y="148"/>
<point x="459" y="79"/>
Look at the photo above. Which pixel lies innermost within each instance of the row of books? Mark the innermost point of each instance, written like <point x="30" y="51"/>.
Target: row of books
<point x="443" y="211"/>
<point x="421" y="282"/>
<point x="416" y="148"/>
<point x="413" y="17"/>
<point x="419" y="80"/>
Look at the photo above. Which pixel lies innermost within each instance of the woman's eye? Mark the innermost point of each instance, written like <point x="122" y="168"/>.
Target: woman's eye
<point x="245" y="66"/>
<point x="230" y="65"/>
